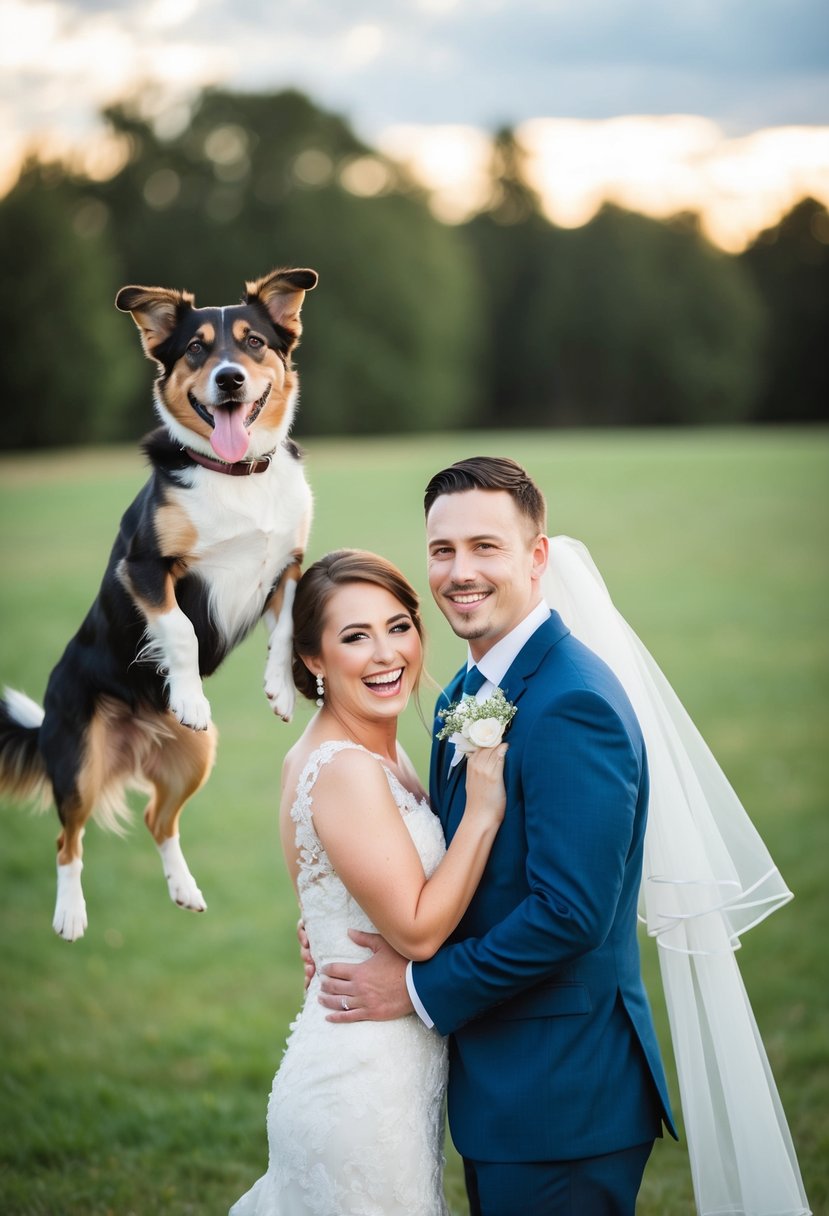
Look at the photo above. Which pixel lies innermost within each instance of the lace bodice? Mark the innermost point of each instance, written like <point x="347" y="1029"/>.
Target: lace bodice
<point x="327" y="907"/>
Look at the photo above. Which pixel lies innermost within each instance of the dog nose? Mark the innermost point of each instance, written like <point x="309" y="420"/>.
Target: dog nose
<point x="230" y="379"/>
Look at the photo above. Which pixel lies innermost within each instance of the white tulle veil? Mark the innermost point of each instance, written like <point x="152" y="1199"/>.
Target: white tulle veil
<point x="707" y="878"/>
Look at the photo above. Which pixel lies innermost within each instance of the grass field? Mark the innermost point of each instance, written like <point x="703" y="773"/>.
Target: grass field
<point x="137" y="1062"/>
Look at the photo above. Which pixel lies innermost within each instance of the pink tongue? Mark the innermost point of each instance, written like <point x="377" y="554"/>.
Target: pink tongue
<point x="229" y="439"/>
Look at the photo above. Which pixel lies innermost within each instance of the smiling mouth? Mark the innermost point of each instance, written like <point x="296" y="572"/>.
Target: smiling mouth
<point x="385" y="683"/>
<point x="467" y="600"/>
<point x="230" y="404"/>
<point x="230" y="424"/>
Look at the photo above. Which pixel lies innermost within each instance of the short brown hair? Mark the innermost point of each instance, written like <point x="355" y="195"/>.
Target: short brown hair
<point x="491" y="473"/>
<point x="318" y="584"/>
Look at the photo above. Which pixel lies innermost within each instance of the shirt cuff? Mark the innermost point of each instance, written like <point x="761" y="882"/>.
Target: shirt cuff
<point x="415" y="999"/>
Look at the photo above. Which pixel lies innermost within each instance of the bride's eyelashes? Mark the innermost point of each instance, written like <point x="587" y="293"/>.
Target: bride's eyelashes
<point x="400" y="627"/>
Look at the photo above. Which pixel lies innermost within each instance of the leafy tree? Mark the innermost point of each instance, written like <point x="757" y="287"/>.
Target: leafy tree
<point x="646" y="322"/>
<point x="789" y="263"/>
<point x="513" y="245"/>
<point x="625" y="320"/>
<point x="69" y="362"/>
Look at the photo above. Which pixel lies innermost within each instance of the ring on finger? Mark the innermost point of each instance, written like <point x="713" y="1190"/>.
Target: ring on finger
<point x="344" y="1003"/>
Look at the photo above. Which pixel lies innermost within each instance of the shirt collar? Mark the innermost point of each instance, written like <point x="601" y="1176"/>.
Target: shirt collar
<point x="496" y="662"/>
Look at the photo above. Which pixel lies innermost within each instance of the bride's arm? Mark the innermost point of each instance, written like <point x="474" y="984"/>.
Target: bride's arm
<point x="369" y="846"/>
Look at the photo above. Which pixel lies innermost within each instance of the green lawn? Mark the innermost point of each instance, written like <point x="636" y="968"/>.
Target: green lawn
<point x="137" y="1062"/>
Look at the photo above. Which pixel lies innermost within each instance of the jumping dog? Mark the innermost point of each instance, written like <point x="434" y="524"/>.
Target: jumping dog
<point x="212" y="543"/>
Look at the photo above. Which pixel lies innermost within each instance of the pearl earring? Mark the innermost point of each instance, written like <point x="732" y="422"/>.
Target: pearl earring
<point x="320" y="691"/>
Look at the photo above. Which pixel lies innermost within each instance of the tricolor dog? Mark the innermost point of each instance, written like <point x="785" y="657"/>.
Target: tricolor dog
<point x="212" y="543"/>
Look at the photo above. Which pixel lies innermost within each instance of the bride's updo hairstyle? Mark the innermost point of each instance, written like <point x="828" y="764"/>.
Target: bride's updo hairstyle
<point x="318" y="584"/>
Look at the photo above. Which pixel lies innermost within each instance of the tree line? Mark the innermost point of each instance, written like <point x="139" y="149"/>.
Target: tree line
<point x="504" y="321"/>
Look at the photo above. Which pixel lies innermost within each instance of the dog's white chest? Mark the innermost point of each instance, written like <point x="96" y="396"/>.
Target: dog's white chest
<point x="247" y="529"/>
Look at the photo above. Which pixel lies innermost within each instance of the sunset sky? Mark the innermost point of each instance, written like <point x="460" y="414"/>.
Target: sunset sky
<point x="719" y="106"/>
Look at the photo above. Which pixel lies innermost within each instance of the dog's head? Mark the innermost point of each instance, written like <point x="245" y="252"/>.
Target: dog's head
<point x="226" y="384"/>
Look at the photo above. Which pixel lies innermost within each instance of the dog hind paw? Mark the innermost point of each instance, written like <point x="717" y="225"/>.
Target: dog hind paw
<point x="187" y="895"/>
<point x="181" y="884"/>
<point x="70" y="924"/>
<point x="69" y="921"/>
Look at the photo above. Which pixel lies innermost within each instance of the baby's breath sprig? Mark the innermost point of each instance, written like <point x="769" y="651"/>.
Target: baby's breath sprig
<point x="471" y="724"/>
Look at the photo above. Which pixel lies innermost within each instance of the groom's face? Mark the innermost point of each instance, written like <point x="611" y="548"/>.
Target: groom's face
<point x="485" y="561"/>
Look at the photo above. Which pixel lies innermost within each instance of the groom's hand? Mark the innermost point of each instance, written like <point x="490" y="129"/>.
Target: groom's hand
<point x="305" y="952"/>
<point x="373" y="991"/>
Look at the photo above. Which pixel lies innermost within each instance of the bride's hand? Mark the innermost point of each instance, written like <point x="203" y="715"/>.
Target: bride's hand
<point x="485" y="790"/>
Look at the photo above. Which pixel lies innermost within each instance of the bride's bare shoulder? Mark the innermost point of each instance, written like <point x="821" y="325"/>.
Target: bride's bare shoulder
<point x="349" y="767"/>
<point x="349" y="762"/>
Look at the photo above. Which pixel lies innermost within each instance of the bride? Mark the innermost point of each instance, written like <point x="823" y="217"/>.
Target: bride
<point x="355" y="1117"/>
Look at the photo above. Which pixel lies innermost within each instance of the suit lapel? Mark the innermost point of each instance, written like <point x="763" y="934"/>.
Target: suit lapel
<point x="531" y="656"/>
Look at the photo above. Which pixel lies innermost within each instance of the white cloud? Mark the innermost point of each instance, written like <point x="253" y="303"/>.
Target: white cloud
<point x="555" y="68"/>
<point x="451" y="161"/>
<point x="747" y="64"/>
<point x="161" y="16"/>
<point x="660" y="166"/>
<point x="362" y="44"/>
<point x="439" y="7"/>
<point x="26" y="29"/>
<point x="663" y="166"/>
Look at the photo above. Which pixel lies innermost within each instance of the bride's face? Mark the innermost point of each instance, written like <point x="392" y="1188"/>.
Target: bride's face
<point x="370" y="654"/>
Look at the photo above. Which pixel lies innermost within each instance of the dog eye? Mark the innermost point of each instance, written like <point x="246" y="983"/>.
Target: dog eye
<point x="255" y="343"/>
<point x="195" y="347"/>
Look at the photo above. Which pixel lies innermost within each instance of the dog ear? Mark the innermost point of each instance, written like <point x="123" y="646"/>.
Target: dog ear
<point x="282" y="293"/>
<point x="155" y="310"/>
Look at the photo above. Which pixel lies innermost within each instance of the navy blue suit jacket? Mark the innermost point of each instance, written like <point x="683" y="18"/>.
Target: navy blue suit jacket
<point x="553" y="1054"/>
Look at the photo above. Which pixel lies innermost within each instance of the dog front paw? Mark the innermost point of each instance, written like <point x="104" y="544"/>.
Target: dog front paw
<point x="190" y="706"/>
<point x="280" y="691"/>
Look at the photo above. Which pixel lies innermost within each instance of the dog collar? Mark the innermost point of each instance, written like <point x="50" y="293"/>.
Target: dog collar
<point x="239" y="468"/>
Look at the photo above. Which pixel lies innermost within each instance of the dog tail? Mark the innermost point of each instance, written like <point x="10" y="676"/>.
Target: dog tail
<point x="22" y="771"/>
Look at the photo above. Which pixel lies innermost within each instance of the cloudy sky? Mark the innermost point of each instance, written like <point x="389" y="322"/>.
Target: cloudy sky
<point x="416" y="74"/>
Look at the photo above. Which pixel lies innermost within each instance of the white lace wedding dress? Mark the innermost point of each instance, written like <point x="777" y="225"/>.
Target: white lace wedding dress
<point x="355" y="1117"/>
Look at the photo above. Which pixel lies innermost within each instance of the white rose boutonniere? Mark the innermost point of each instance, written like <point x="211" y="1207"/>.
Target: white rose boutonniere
<point x="484" y="732"/>
<point x="471" y="724"/>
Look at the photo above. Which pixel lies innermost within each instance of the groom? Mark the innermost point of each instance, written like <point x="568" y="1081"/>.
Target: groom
<point x="556" y="1088"/>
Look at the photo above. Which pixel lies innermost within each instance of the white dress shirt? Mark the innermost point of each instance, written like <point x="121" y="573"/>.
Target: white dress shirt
<point x="494" y="665"/>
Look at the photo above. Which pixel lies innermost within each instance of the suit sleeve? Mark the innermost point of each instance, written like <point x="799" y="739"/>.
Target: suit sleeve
<point x="580" y="776"/>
